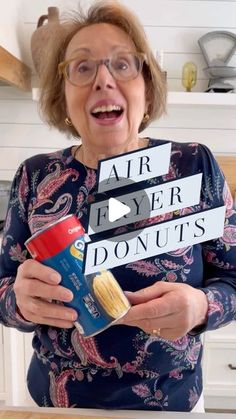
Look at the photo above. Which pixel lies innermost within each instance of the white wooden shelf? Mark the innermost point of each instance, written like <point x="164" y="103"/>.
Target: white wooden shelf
<point x="187" y="98"/>
<point x="201" y="98"/>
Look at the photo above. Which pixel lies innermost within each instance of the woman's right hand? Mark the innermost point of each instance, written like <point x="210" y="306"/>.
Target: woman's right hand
<point x="36" y="288"/>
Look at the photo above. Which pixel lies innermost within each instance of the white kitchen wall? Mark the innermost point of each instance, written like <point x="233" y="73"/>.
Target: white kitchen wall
<point x="11" y="20"/>
<point x="173" y="27"/>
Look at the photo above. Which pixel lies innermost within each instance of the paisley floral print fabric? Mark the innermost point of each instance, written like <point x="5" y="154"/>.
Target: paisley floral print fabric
<point x="122" y="367"/>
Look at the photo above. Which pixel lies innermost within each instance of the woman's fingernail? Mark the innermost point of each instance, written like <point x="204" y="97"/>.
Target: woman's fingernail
<point x="128" y="293"/>
<point x="70" y="316"/>
<point x="55" y="278"/>
<point x="67" y="295"/>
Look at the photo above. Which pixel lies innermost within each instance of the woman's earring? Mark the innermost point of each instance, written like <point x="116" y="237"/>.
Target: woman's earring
<point x="68" y="122"/>
<point x="146" y="118"/>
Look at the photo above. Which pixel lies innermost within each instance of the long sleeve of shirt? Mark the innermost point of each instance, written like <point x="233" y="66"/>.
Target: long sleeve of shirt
<point x="219" y="255"/>
<point x="13" y="252"/>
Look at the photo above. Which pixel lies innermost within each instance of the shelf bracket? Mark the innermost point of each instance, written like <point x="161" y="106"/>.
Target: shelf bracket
<point x="13" y="71"/>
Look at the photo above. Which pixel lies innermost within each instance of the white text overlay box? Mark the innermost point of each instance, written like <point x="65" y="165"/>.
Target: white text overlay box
<point x="154" y="240"/>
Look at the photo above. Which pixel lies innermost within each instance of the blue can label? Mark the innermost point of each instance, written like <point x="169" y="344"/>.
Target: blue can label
<point x="98" y="298"/>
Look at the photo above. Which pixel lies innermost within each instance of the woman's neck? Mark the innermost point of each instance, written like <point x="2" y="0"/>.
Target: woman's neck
<point x="89" y="157"/>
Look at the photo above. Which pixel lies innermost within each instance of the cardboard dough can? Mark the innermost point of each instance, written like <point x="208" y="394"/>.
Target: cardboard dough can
<point x="98" y="298"/>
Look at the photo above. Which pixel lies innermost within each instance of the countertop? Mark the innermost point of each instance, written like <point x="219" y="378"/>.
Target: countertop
<point x="55" y="413"/>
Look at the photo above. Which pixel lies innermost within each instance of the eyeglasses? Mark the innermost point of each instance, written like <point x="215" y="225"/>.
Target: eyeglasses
<point x="123" y="66"/>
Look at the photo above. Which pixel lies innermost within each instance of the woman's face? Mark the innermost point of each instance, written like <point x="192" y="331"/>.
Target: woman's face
<point x="104" y="130"/>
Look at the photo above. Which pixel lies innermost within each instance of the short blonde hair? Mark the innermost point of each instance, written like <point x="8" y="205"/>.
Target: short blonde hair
<point x="52" y="99"/>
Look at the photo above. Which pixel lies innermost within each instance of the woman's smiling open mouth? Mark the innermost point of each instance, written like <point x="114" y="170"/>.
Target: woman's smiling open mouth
<point x="107" y="113"/>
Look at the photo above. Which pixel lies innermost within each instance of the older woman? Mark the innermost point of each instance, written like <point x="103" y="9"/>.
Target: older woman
<point x="101" y="84"/>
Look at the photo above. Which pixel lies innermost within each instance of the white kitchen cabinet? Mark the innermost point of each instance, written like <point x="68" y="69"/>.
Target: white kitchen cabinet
<point x="5" y="366"/>
<point x="219" y="368"/>
<point x="17" y="355"/>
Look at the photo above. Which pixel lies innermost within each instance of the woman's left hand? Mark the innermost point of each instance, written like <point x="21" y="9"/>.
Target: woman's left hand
<point x="171" y="309"/>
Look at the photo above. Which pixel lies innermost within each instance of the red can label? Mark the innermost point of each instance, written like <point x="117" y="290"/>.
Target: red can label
<point x="98" y="298"/>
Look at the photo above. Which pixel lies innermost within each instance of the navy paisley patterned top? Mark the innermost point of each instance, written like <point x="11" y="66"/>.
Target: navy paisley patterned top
<point x="122" y="367"/>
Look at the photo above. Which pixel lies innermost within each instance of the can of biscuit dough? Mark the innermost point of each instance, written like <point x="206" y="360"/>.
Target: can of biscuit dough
<point x="97" y="298"/>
